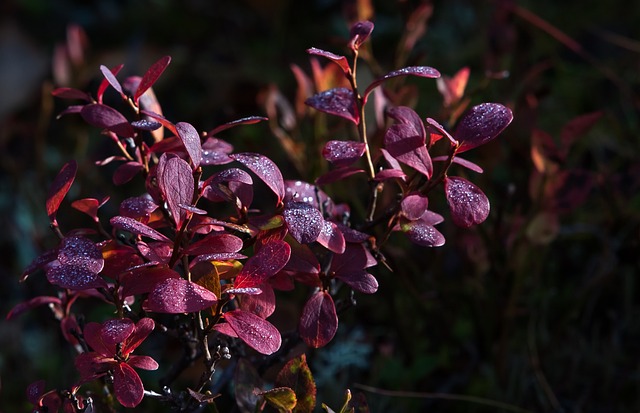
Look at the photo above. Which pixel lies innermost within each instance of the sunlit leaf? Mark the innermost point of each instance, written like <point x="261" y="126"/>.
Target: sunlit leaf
<point x="266" y="262"/>
<point x="281" y="398"/>
<point x="331" y="237"/>
<point x="177" y="184"/>
<point x="138" y="228"/>
<point x="423" y="234"/>
<point x="151" y="76"/>
<point x="420" y="71"/>
<point x="265" y="169"/>
<point x="339" y="60"/>
<point x="127" y="385"/>
<point x="191" y="140"/>
<point x="59" y="188"/>
<point x="258" y="333"/>
<point x="110" y="78"/>
<point x="343" y="153"/>
<point x="405" y="140"/>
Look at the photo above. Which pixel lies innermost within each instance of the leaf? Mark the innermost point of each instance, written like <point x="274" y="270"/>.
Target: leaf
<point x="106" y="117"/>
<point x="74" y="277"/>
<point x="360" y="281"/>
<point x="138" y="207"/>
<point x="423" y="234"/>
<point x="331" y="238"/>
<point x="359" y="33"/>
<point x="262" y="304"/>
<point x="216" y="152"/>
<point x="460" y="161"/>
<point x="265" y="169"/>
<point x="414" y="205"/>
<point x="405" y="141"/>
<point x="81" y="251"/>
<point x="467" y="203"/>
<point x="481" y="124"/>
<point x="281" y="398"/>
<point x="116" y="331"/>
<point x="144" y="280"/>
<point x="138" y="228"/>
<point x="319" y="321"/>
<point x="258" y="333"/>
<point x="176" y="296"/>
<point x="246" y="381"/>
<point x="151" y="76"/>
<point x="89" y="206"/>
<point x="343" y="153"/>
<point x="215" y="243"/>
<point x="420" y="71"/>
<point x="297" y="376"/>
<point x="452" y="88"/>
<point x="146" y="124"/>
<point x="109" y="76"/>
<point x="303" y="221"/>
<point x="191" y="140"/>
<point x="244" y="121"/>
<point x="177" y="184"/>
<point x="32" y="303"/>
<point x="126" y="172"/>
<point x="127" y="385"/>
<point x="144" y="327"/>
<point x="60" y="187"/>
<point x="339" y="60"/>
<point x="338" y="101"/>
<point x="70" y="93"/>
<point x="576" y="128"/>
<point x="266" y="262"/>
<point x="338" y="174"/>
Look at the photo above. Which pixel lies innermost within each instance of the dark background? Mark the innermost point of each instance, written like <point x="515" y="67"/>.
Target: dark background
<point x="543" y="323"/>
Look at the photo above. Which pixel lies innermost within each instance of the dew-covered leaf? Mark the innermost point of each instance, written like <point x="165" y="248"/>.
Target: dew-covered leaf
<point x="303" y="221"/>
<point x="266" y="262"/>
<point x="191" y="140"/>
<point x="331" y="238"/>
<point x="81" y="251"/>
<point x="301" y="191"/>
<point x="338" y="101"/>
<point x="467" y="203"/>
<point x="116" y="330"/>
<point x="262" y="304"/>
<point x="258" y="333"/>
<point x="136" y="227"/>
<point x="423" y="234"/>
<point x="420" y="71"/>
<point x="216" y="152"/>
<point x="151" y="76"/>
<point x="359" y="33"/>
<point x="177" y="184"/>
<point x="244" y="121"/>
<point x="106" y="117"/>
<point x="177" y="295"/>
<point x="343" y="153"/>
<point x="59" y="188"/>
<point x="319" y="321"/>
<point x="127" y="385"/>
<point x="138" y="207"/>
<point x="297" y="376"/>
<point x="265" y="169"/>
<point x="146" y="124"/>
<point x="480" y="124"/>
<point x="74" y="277"/>
<point x="339" y="60"/>
<point x="215" y="243"/>
<point x="161" y="119"/>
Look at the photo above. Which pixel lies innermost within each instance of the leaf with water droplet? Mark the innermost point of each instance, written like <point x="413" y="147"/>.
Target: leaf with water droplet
<point x="258" y="333"/>
<point x="339" y="60"/>
<point x="191" y="140"/>
<point x="265" y="263"/>
<point x="423" y="234"/>
<point x="177" y="295"/>
<point x="481" y="124"/>
<point x="303" y="221"/>
<point x="177" y="184"/>
<point x="343" y="153"/>
<point x="467" y="203"/>
<point x="265" y="169"/>
<point x="338" y="101"/>
<point x="420" y="71"/>
<point x="138" y="228"/>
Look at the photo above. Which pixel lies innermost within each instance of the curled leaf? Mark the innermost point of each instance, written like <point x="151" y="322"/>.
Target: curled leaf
<point x="359" y="33"/>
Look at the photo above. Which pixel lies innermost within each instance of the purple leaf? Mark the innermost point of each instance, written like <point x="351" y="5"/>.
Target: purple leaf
<point x="360" y="281"/>
<point x="423" y="234"/>
<point x="215" y="243"/>
<point x="216" y="152"/>
<point x="109" y="76"/>
<point x="74" y="277"/>
<point x="359" y="33"/>
<point x="138" y="228"/>
<point x="32" y="303"/>
<point x="82" y="252"/>
<point x="39" y="263"/>
<point x="177" y="184"/>
<point x="462" y="162"/>
<point x="116" y="331"/>
<point x="146" y="124"/>
<point x="106" y="117"/>
<point x="191" y="140"/>
<point x="414" y="206"/>
<point x="258" y="333"/>
<point x="343" y="153"/>
<point x="339" y="101"/>
<point x="386" y="174"/>
<point x="338" y="174"/>
<point x="143" y="280"/>
<point x="405" y="140"/>
<point x="262" y="304"/>
<point x="480" y="124"/>
<point x="151" y="76"/>
<point x="339" y="60"/>
<point x="303" y="221"/>
<point x="138" y="207"/>
<point x="265" y="169"/>
<point x="105" y="82"/>
<point x="265" y="263"/>
<point x="420" y="71"/>
<point x="126" y="172"/>
<point x="331" y="238"/>
<point x="467" y="203"/>
<point x="301" y="191"/>
<point x="319" y="321"/>
<point x="176" y="296"/>
<point x="70" y="93"/>
<point x="244" y="121"/>
<point x="60" y="187"/>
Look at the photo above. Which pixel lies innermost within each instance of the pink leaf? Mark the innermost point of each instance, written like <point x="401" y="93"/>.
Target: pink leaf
<point x="414" y="206"/>
<point x="151" y="76"/>
<point x="423" y="234"/>
<point x="420" y="71"/>
<point x="177" y="184"/>
<point x="60" y="187"/>
<point x="319" y="321"/>
<point x="127" y="385"/>
<point x="480" y="124"/>
<point x="176" y="296"/>
<point x="109" y="76"/>
<point x="339" y="60"/>
<point x="467" y="203"/>
<point x="303" y="221"/>
<point x="331" y="238"/>
<point x="265" y="263"/>
<point x="191" y="140"/>
<point x="339" y="102"/>
<point x="138" y="228"/>
<point x="258" y="333"/>
<point x="265" y="169"/>
<point x="343" y="153"/>
<point x="106" y="117"/>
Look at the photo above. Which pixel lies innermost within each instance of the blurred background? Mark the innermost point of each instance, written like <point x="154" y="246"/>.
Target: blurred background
<point x="537" y="307"/>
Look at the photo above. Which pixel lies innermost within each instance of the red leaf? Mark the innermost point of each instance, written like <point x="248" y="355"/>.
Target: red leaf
<point x="338" y="101"/>
<point x="452" y="88"/>
<point x="32" y="303"/>
<point x="143" y="362"/>
<point x="216" y="152"/>
<point x="360" y="281"/>
<point x="338" y="174"/>
<point x="420" y="71"/>
<point x="109" y="76"/>
<point x="138" y="228"/>
<point x="331" y="238"/>
<point x="303" y="221"/>
<point x="339" y="60"/>
<point x="176" y="296"/>
<point x="60" y="187"/>
<point x="144" y="280"/>
<point x="151" y="76"/>
<point x="265" y="169"/>
<point x="266" y="262"/>
<point x="343" y="153"/>
<point x="359" y="33"/>
<point x="258" y="333"/>
<point x="127" y="385"/>
<point x="106" y="117"/>
<point x="144" y="327"/>
<point x="244" y="121"/>
<point x="191" y="140"/>
<point x="262" y="304"/>
<point x="467" y="203"/>
<point x="319" y="321"/>
<point x="215" y="243"/>
<point x="89" y="206"/>
<point x="177" y="184"/>
<point x="480" y="124"/>
<point x="576" y="128"/>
